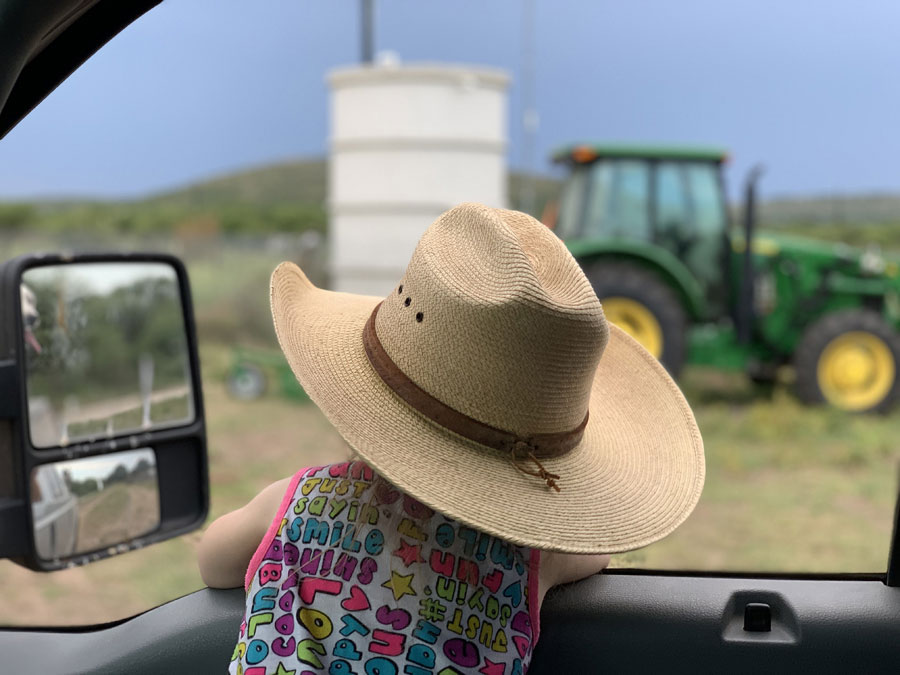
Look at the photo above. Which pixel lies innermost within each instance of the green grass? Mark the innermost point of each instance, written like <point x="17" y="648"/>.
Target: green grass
<point x="789" y="488"/>
<point x="169" y="410"/>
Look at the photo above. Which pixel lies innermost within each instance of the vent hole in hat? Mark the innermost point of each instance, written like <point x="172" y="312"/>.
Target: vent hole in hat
<point x="400" y="290"/>
<point x="419" y="317"/>
<point x="407" y="301"/>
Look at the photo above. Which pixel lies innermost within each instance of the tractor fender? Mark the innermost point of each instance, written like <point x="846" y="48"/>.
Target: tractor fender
<point x="667" y="266"/>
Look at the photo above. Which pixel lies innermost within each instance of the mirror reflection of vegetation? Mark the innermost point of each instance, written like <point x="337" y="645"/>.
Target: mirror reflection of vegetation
<point x="106" y="351"/>
<point x="93" y="503"/>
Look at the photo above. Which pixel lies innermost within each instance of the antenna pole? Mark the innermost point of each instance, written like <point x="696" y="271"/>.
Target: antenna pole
<point x="530" y="119"/>
<point x="366" y="31"/>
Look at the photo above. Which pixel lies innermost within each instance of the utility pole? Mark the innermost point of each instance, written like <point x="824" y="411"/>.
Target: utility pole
<point x="366" y="31"/>
<point x="530" y="119"/>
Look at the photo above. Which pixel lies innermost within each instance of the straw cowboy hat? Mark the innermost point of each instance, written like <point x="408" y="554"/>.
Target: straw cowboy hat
<point x="489" y="386"/>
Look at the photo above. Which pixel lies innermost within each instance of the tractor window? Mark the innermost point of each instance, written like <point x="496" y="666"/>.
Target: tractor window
<point x="571" y="204"/>
<point x="672" y="209"/>
<point x="701" y="247"/>
<point x="617" y="200"/>
<point x="706" y="198"/>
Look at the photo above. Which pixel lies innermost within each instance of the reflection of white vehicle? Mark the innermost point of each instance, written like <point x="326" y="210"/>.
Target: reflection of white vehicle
<point x="55" y="512"/>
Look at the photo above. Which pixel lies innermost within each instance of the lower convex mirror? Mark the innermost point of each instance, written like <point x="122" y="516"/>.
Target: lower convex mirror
<point x="102" y="432"/>
<point x="89" y="504"/>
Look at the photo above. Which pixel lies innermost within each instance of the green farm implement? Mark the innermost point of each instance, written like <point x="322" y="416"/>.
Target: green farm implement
<point x="650" y="226"/>
<point x="252" y="370"/>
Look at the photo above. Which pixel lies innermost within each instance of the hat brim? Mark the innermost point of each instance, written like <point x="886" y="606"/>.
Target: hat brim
<point x="635" y="476"/>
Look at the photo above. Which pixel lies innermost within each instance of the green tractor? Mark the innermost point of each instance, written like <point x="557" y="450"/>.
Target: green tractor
<point x="650" y="226"/>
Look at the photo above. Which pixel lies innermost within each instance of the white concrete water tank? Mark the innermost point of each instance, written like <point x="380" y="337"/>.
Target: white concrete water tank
<point x="408" y="142"/>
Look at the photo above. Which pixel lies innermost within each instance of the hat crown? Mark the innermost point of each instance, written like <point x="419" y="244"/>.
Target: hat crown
<point x="495" y="319"/>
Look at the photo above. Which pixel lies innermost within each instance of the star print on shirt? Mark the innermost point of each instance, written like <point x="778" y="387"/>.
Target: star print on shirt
<point x="491" y="668"/>
<point x="409" y="553"/>
<point x="399" y="585"/>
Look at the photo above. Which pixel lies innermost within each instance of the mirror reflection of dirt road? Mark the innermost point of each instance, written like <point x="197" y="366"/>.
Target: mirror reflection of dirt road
<point x="118" y="513"/>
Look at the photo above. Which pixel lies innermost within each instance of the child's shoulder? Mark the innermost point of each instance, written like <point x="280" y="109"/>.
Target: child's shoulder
<point x="563" y="568"/>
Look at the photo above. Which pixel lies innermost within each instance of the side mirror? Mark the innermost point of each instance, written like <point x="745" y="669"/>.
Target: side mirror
<point x="102" y="434"/>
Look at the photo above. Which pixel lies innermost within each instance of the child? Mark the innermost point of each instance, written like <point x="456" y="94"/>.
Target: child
<point x="503" y="426"/>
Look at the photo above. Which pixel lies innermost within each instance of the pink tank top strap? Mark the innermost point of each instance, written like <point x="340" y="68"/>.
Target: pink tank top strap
<point x="534" y="565"/>
<point x="276" y="523"/>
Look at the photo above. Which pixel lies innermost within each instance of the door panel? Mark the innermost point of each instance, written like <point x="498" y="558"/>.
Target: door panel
<point x="611" y="623"/>
<point x="193" y="634"/>
<point x="636" y="623"/>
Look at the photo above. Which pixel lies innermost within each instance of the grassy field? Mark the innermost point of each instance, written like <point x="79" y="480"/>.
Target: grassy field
<point x="789" y="489"/>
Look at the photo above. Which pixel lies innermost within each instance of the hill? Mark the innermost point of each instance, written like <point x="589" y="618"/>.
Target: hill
<point x="297" y="182"/>
<point x="283" y="197"/>
<point x="305" y="182"/>
<point x="286" y="197"/>
<point x="291" y="197"/>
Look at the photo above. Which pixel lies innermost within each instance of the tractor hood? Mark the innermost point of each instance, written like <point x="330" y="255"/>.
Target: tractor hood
<point x="871" y="262"/>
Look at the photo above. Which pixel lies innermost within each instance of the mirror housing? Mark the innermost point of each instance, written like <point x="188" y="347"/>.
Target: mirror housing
<point x="179" y="448"/>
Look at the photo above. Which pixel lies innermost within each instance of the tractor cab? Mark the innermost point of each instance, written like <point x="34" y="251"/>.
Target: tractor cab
<point x="659" y="202"/>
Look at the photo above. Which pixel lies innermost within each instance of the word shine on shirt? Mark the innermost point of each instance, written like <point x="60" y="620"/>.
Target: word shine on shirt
<point x="354" y="576"/>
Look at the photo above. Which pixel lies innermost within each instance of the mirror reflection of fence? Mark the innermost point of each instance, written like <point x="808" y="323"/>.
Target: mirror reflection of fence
<point x="106" y="351"/>
<point x="93" y="503"/>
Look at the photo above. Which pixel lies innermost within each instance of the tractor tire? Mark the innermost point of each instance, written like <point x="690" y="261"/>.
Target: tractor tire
<point x="849" y="359"/>
<point x="246" y="382"/>
<point x="640" y="303"/>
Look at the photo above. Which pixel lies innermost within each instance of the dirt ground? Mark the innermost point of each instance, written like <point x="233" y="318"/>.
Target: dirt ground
<point x="118" y="513"/>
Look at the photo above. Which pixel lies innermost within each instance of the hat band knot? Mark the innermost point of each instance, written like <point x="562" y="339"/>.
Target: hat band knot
<point x="542" y="473"/>
<point x="519" y="448"/>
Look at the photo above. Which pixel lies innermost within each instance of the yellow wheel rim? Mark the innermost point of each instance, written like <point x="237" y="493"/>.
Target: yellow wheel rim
<point x="856" y="371"/>
<point x="636" y="320"/>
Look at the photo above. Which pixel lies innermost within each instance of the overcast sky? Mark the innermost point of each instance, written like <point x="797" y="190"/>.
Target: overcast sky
<point x="200" y="87"/>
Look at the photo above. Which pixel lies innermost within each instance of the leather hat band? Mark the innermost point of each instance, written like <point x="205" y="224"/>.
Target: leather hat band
<point x="537" y="446"/>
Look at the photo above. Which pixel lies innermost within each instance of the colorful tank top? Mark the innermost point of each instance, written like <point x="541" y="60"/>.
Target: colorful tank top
<point x="354" y="576"/>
